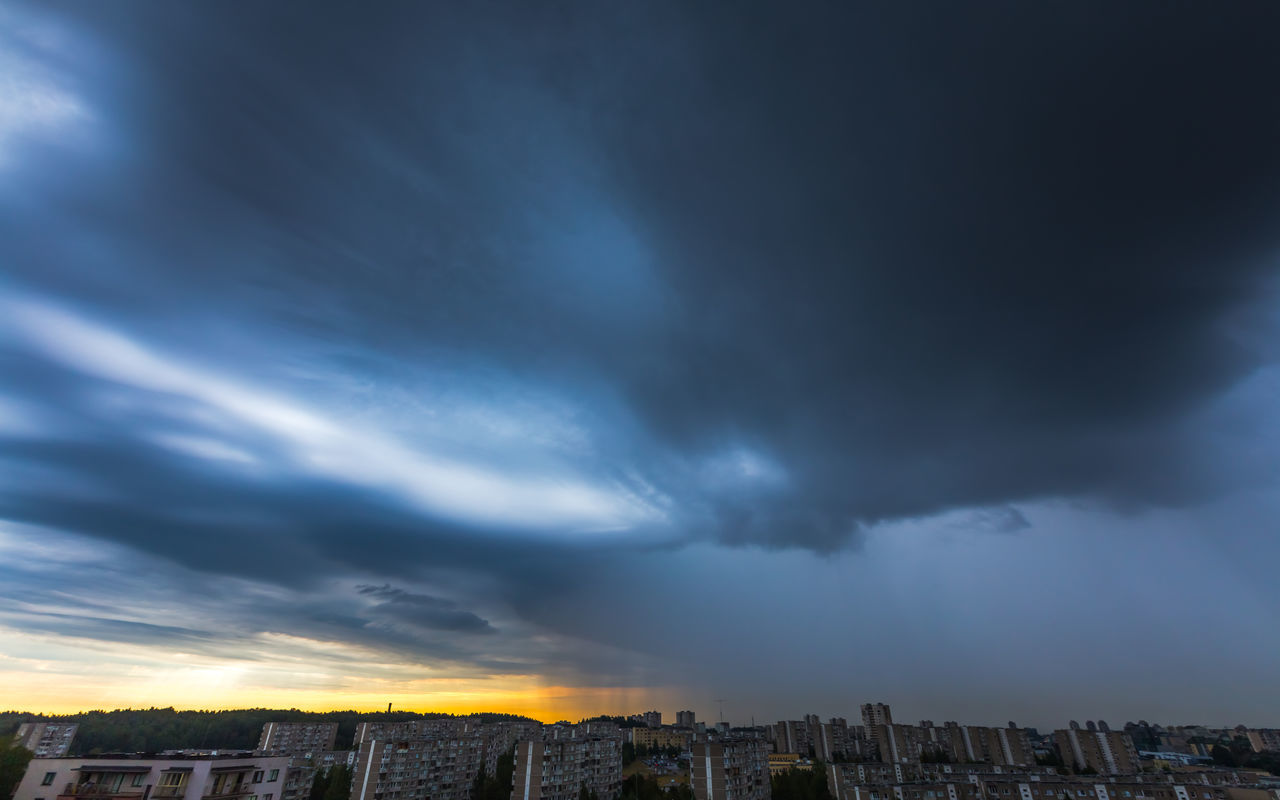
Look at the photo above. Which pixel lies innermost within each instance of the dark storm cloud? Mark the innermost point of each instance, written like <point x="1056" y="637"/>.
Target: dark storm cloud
<point x="486" y="308"/>
<point x="808" y="270"/>
<point x="424" y="610"/>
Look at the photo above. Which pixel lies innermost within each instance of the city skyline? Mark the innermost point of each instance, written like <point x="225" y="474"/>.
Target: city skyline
<point x="571" y="359"/>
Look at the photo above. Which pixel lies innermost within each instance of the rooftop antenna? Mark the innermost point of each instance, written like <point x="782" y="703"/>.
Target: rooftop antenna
<point x="720" y="700"/>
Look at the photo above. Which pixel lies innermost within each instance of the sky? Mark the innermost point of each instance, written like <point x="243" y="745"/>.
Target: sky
<point x="577" y="358"/>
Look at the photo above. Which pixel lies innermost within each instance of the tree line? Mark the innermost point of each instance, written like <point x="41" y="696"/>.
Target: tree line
<point x="801" y="784"/>
<point x="152" y="730"/>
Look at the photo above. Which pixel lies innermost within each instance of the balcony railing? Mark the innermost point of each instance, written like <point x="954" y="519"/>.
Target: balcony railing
<point x="87" y="791"/>
<point x="232" y="793"/>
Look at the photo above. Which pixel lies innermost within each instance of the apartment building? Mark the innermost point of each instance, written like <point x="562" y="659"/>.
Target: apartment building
<point x="792" y="736"/>
<point x="567" y="757"/>
<point x="730" y="769"/>
<point x="873" y="772"/>
<point x="899" y="744"/>
<point x="1264" y="739"/>
<point x="874" y="714"/>
<point x="685" y="719"/>
<point x="1105" y="752"/>
<point x="409" y="729"/>
<point x="780" y="763"/>
<point x="436" y="767"/>
<point x="171" y="778"/>
<point x="497" y="736"/>
<point x="956" y="790"/>
<point x="835" y="741"/>
<point x="297" y="738"/>
<point x="660" y="738"/>
<point x="1038" y="786"/>
<point x="977" y="772"/>
<point x="47" y="739"/>
<point x="1008" y="746"/>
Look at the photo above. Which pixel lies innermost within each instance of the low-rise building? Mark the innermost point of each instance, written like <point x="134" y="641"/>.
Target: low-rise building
<point x="135" y="778"/>
<point x="781" y="762"/>
<point x="662" y="738"/>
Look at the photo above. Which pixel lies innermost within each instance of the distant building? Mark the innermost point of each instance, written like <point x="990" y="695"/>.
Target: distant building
<point x="834" y="741"/>
<point x="732" y="769"/>
<point x="442" y="768"/>
<point x="876" y="714"/>
<point x="845" y="783"/>
<point x="1169" y="759"/>
<point x="1264" y="739"/>
<point x="784" y="762"/>
<point x="1105" y="752"/>
<point x="792" y="736"/>
<point x="660" y="738"/>
<point x="871" y="773"/>
<point x="842" y="788"/>
<point x="1009" y="746"/>
<point x="431" y="759"/>
<point x="781" y="762"/>
<point x="567" y="757"/>
<point x="174" y="778"/>
<point x="297" y="738"/>
<point x="47" y="739"/>
<point x="685" y="719"/>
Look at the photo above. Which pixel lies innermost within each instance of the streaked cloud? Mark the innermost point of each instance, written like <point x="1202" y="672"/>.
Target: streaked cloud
<point x="528" y="360"/>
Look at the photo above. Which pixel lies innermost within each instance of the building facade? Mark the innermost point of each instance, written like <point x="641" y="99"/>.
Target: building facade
<point x="876" y="714"/>
<point x="1264" y="739"/>
<point x="47" y="739"/>
<point x="297" y="738"/>
<point x="565" y="759"/>
<point x="660" y="738"/>
<point x="173" y="778"/>
<point x="1104" y="752"/>
<point x="733" y="769"/>
<point x="1008" y="746"/>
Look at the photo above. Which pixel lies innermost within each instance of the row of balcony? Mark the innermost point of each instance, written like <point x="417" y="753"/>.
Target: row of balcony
<point x="87" y="791"/>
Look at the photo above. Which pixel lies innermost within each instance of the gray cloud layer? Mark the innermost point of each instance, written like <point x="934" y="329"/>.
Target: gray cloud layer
<point x="738" y="276"/>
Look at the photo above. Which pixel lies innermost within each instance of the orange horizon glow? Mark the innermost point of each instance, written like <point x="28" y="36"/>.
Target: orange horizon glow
<point x="37" y="694"/>
<point x="538" y="708"/>
<point x="58" y="676"/>
<point x="553" y="704"/>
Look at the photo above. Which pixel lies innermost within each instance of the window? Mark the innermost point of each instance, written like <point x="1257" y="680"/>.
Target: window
<point x="138" y="778"/>
<point x="257" y="776"/>
<point x="173" y="778"/>
<point x="48" y="778"/>
<point x="275" y="773"/>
